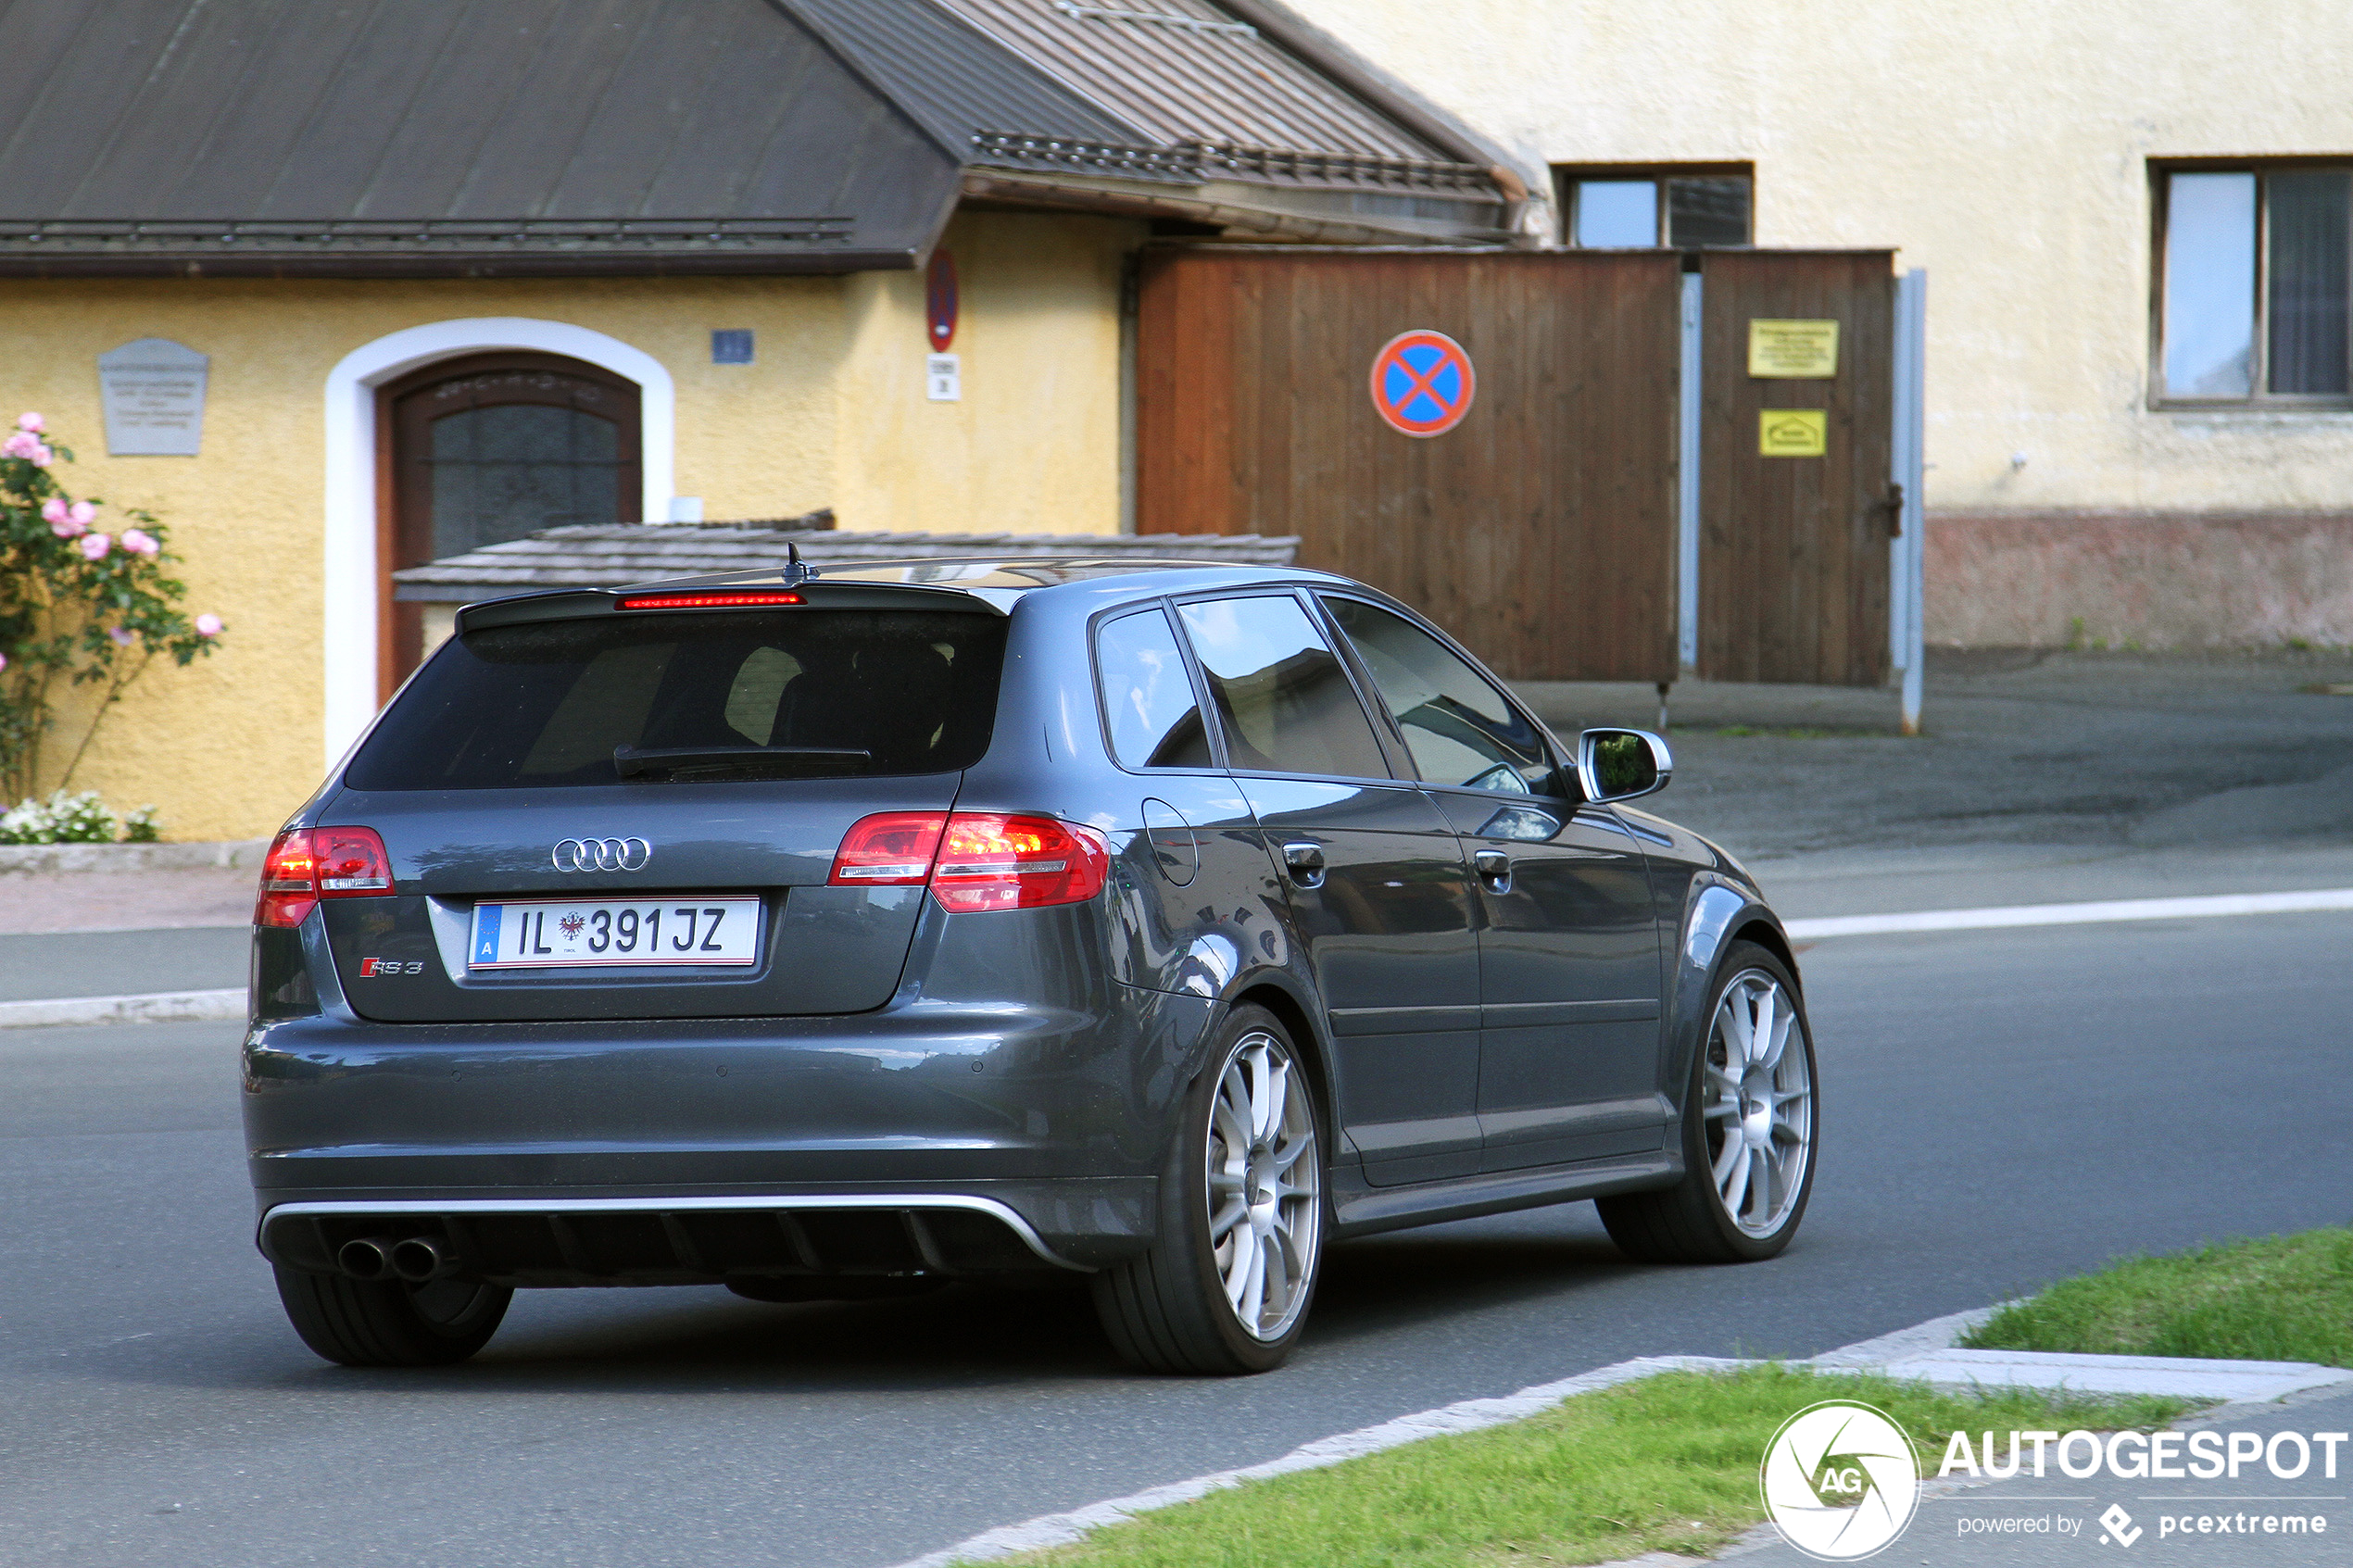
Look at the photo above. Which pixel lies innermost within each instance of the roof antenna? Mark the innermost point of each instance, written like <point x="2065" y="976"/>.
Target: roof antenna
<point x="797" y="570"/>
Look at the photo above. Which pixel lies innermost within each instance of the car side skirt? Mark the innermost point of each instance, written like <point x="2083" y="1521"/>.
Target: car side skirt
<point x="1359" y="1210"/>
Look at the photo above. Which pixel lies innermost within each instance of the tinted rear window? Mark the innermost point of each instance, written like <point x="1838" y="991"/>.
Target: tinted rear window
<point x="546" y="704"/>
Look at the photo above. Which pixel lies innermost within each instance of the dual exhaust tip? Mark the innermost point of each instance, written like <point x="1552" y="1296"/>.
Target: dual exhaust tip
<point x="416" y="1259"/>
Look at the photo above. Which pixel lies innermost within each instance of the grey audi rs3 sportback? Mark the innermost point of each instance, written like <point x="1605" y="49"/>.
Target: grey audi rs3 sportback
<point x="991" y="921"/>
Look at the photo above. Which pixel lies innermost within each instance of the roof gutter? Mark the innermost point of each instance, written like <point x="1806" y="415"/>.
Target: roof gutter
<point x="16" y="262"/>
<point x="1079" y="194"/>
<point x="1526" y="186"/>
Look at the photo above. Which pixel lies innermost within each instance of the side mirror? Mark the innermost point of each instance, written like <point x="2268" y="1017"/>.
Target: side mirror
<point x="1622" y="764"/>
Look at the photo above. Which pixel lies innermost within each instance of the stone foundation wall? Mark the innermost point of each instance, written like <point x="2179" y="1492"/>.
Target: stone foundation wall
<point x="2156" y="579"/>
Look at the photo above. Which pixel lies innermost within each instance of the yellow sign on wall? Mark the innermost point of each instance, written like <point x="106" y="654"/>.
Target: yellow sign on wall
<point x="1792" y="432"/>
<point x="1793" y="350"/>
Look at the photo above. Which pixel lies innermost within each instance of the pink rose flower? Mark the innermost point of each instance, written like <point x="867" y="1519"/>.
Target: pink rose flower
<point x="41" y="457"/>
<point x="85" y="513"/>
<point x="54" y="509"/>
<point x="121" y="638"/>
<point x="94" y="547"/>
<point x="32" y="422"/>
<point x="4" y="661"/>
<point x="139" y="542"/>
<point x="20" y="444"/>
<point x="69" y="529"/>
<point x="208" y="625"/>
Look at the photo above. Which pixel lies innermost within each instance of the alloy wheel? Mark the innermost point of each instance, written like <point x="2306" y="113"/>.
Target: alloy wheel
<point x="1266" y="1198"/>
<point x="1759" y="1104"/>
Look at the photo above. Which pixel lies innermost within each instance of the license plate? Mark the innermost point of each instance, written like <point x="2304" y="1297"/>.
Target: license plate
<point x="581" y="932"/>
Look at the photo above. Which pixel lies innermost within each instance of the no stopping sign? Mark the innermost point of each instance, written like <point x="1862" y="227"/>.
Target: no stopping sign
<point x="1423" y="383"/>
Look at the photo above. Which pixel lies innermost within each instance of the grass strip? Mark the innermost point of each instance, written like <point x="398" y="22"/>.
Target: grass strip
<point x="2274" y="1299"/>
<point x="1666" y="1464"/>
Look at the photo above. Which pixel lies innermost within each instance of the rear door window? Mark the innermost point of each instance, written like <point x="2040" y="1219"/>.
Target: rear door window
<point x="548" y="704"/>
<point x="1460" y="729"/>
<point x="1284" y="701"/>
<point x="1148" y="695"/>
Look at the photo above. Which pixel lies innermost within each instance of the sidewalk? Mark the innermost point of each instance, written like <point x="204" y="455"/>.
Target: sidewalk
<point x="2099" y="752"/>
<point x="133" y="900"/>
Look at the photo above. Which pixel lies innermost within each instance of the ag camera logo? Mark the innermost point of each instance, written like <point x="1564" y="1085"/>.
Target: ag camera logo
<point x="1839" y="1480"/>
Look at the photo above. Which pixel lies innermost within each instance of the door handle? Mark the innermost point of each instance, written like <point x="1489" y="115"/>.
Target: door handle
<point x="1494" y="869"/>
<point x="1305" y="863"/>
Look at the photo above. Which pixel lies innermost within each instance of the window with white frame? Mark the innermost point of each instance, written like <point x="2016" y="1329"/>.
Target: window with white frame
<point x="2254" y="295"/>
<point x="1626" y="206"/>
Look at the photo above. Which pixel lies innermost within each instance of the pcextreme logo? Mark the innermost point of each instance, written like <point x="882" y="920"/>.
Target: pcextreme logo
<point x="1839" y="1480"/>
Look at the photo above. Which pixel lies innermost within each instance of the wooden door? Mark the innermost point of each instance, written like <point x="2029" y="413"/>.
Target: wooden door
<point x="1539" y="530"/>
<point x="1793" y="560"/>
<point x="490" y="447"/>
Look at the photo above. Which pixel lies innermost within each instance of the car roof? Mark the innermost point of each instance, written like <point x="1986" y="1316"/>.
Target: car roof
<point x="997" y="582"/>
<point x="993" y="577"/>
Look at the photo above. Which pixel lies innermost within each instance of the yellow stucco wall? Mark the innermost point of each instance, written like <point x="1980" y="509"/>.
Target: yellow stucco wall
<point x="1033" y="446"/>
<point x="832" y="413"/>
<point x="2002" y="145"/>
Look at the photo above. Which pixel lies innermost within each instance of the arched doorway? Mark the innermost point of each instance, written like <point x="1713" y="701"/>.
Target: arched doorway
<point x="491" y="446"/>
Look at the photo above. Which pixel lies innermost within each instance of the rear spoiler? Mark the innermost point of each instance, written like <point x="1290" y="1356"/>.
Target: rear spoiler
<point x="580" y="604"/>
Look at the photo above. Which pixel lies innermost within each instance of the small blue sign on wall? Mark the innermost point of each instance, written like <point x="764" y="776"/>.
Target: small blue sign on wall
<point x="731" y="346"/>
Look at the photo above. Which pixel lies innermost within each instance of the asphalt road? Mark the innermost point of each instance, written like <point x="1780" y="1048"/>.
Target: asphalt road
<point x="115" y="963"/>
<point x="2000" y="1107"/>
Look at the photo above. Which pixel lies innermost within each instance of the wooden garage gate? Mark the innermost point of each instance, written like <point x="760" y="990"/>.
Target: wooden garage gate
<point x="1544" y="529"/>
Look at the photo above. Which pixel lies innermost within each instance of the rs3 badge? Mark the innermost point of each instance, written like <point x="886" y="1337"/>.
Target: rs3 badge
<point x="370" y="967"/>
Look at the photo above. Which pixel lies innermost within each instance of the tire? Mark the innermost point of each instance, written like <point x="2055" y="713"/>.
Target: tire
<point x="390" y="1322"/>
<point x="1250" y="1128"/>
<point x="1728" y="1209"/>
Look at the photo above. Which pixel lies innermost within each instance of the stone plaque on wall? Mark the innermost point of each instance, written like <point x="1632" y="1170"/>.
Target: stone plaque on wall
<point x="154" y="395"/>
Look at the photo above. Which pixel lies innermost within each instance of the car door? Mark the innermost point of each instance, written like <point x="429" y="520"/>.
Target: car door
<point x="1568" y="943"/>
<point x="1379" y="892"/>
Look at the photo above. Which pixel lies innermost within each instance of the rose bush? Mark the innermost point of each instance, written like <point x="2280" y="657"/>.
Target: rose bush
<point x="79" y="606"/>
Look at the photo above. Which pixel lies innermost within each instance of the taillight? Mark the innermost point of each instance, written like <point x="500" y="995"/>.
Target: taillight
<point x="975" y="860"/>
<point x="994" y="863"/>
<point x="306" y="865"/>
<point x="892" y="850"/>
<point x="289" y="882"/>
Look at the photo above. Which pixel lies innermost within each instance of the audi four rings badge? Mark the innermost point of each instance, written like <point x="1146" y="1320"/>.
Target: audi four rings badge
<point x="601" y="854"/>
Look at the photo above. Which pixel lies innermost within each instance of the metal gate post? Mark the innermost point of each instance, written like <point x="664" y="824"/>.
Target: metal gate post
<point x="1686" y="483"/>
<point x="1905" y="553"/>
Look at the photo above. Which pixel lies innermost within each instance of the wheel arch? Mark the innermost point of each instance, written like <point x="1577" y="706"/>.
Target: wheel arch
<point x="1298" y="1019"/>
<point x="1769" y="937"/>
<point x="1717" y="913"/>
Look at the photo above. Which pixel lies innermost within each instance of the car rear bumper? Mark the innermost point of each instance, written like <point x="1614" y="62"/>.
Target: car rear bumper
<point x="1044" y="1123"/>
<point x="524" y="1239"/>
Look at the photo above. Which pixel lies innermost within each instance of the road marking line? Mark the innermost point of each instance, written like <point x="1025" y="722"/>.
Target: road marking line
<point x="152" y="1006"/>
<point x="2073" y="914"/>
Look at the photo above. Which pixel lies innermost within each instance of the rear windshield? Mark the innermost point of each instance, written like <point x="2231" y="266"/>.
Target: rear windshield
<point x="789" y="693"/>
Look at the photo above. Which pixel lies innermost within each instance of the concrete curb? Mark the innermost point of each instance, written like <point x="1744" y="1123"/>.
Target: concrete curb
<point x="1925" y="1351"/>
<point x="154" y="1007"/>
<point x="1469" y="1415"/>
<point x="50" y="859"/>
